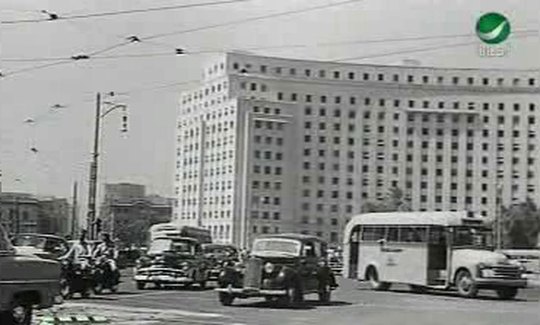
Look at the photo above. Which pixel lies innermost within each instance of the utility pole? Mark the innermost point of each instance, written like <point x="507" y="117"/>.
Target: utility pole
<point x="93" y="221"/>
<point x="74" y="212"/>
<point x="92" y="185"/>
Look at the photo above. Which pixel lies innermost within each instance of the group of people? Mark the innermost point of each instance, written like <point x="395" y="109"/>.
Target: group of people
<point x="104" y="251"/>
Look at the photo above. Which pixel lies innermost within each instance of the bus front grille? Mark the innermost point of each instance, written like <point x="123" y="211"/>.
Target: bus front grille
<point x="507" y="272"/>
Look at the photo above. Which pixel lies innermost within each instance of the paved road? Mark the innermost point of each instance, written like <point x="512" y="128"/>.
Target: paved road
<point x="353" y="303"/>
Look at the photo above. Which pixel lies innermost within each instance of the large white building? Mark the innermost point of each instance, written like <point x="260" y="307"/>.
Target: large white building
<point x="270" y="145"/>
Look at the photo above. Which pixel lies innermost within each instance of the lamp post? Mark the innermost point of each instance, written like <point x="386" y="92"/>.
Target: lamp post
<point x="92" y="220"/>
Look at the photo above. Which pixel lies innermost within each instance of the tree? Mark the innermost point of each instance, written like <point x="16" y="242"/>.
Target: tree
<point x="395" y="200"/>
<point x="520" y="225"/>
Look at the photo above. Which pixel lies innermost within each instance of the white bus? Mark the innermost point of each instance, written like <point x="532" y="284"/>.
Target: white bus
<point x="173" y="230"/>
<point x="428" y="250"/>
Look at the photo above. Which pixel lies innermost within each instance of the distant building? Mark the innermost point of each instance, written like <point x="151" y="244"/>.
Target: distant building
<point x="267" y="145"/>
<point x="128" y="212"/>
<point x="54" y="216"/>
<point x="27" y="213"/>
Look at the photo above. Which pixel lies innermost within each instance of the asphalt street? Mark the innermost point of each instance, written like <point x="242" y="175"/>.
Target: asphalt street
<point x="352" y="303"/>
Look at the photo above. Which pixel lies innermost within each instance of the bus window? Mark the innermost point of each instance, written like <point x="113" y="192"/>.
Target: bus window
<point x="413" y="234"/>
<point x="392" y="234"/>
<point x="437" y="236"/>
<point x="372" y="233"/>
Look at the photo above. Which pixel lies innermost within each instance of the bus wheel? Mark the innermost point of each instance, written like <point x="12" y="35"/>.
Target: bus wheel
<point x="466" y="285"/>
<point x="373" y="278"/>
<point x="507" y="293"/>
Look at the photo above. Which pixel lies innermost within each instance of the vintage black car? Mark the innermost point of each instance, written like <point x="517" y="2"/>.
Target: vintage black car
<point x="219" y="256"/>
<point x="282" y="268"/>
<point x="172" y="261"/>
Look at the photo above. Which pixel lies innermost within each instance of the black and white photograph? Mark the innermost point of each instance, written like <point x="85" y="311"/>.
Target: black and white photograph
<point x="268" y="162"/>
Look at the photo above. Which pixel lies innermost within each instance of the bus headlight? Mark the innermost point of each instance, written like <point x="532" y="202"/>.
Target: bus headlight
<point x="487" y="273"/>
<point x="268" y="267"/>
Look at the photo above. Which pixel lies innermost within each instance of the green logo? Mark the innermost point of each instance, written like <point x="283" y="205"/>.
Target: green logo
<point x="493" y="28"/>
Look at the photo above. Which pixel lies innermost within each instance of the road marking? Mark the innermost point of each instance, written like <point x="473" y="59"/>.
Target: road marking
<point x="139" y="310"/>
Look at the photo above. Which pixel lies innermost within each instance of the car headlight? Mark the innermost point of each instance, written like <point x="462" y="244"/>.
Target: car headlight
<point x="185" y="266"/>
<point x="268" y="267"/>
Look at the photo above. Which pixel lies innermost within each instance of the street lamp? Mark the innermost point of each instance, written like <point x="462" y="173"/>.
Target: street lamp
<point x="92" y="221"/>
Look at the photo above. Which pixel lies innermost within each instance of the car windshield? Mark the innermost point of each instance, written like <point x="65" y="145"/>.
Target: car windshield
<point x="168" y="245"/>
<point x="473" y="237"/>
<point x="5" y="245"/>
<point x="219" y="250"/>
<point x="29" y="240"/>
<point x="276" y="246"/>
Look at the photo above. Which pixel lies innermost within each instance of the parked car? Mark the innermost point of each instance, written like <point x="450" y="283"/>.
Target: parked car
<point x="172" y="261"/>
<point x="42" y="245"/>
<point x="219" y="256"/>
<point x="281" y="268"/>
<point x="26" y="282"/>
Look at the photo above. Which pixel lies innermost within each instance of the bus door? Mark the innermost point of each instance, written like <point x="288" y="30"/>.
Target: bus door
<point x="404" y="255"/>
<point x="437" y="255"/>
<point x="354" y="244"/>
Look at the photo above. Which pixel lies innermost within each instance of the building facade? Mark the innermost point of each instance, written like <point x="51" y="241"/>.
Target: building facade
<point x="270" y="145"/>
<point x="128" y="212"/>
<point x="27" y="213"/>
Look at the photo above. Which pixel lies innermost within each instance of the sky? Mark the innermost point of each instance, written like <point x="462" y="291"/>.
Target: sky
<point x="62" y="136"/>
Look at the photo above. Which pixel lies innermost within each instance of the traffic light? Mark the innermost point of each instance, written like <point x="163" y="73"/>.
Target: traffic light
<point x="124" y="128"/>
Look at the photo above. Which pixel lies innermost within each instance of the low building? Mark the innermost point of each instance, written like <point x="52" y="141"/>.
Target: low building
<point x="27" y="213"/>
<point x="127" y="212"/>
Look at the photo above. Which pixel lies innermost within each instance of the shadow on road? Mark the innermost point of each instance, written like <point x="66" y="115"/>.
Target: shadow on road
<point x="449" y="294"/>
<point x="305" y="305"/>
<point x="455" y="294"/>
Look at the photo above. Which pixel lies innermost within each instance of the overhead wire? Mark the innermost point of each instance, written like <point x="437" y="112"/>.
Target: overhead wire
<point x="250" y="19"/>
<point x="415" y="50"/>
<point x="267" y="47"/>
<point x="59" y="17"/>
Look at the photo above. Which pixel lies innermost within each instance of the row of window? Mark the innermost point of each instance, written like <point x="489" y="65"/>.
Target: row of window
<point x="319" y="221"/>
<point x="320" y="207"/>
<point x="266" y="185"/>
<point x="200" y="94"/>
<point x="266" y="215"/>
<point x="382" y="77"/>
<point x="322" y="194"/>
<point x="409" y="103"/>
<point x="267" y="170"/>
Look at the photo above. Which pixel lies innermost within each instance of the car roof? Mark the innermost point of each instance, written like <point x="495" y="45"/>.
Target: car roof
<point x="40" y="235"/>
<point x="212" y="245"/>
<point x="295" y="236"/>
<point x="177" y="238"/>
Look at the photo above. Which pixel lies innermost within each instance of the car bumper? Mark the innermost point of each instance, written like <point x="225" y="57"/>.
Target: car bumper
<point x="162" y="279"/>
<point x="213" y="275"/>
<point x="491" y="283"/>
<point x="252" y="292"/>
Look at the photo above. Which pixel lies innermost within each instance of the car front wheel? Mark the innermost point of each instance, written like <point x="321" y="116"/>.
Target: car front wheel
<point x="19" y="315"/>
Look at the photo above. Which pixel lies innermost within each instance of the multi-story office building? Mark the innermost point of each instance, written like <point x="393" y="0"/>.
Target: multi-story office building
<point x="270" y="145"/>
